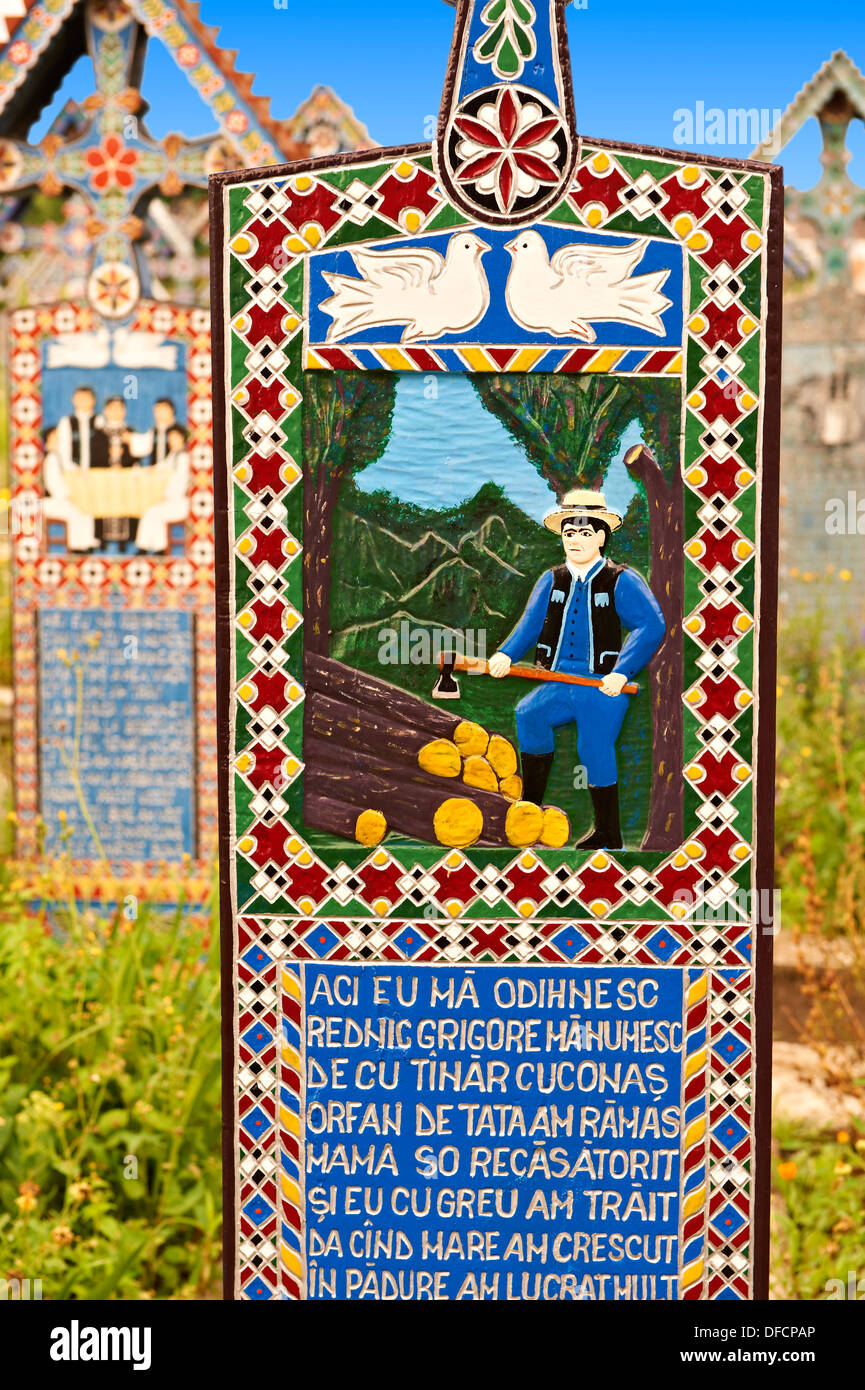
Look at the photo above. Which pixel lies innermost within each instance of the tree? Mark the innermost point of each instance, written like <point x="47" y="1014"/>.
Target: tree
<point x="570" y="427"/>
<point x="347" y="420"/>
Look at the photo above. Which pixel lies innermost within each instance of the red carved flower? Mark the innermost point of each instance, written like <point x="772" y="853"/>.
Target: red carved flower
<point x="111" y="163"/>
<point x="508" y="149"/>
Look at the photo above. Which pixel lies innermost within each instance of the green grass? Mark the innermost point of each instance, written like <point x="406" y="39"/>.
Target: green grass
<point x="109" y="1104"/>
<point x="819" y="1186"/>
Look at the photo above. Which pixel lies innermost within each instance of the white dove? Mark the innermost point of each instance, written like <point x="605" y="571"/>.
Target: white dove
<point x="581" y="285"/>
<point x="429" y="293"/>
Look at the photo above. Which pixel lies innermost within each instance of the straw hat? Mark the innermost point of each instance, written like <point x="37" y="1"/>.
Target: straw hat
<point x="582" y="502"/>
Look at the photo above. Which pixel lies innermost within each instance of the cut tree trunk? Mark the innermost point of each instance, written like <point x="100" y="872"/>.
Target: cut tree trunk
<point x="366" y="827"/>
<point x="666" y="670"/>
<point x="325" y="676"/>
<point x="411" y="800"/>
<point x="340" y="724"/>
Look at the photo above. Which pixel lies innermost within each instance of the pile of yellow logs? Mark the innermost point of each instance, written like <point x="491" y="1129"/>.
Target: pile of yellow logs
<point x="377" y="759"/>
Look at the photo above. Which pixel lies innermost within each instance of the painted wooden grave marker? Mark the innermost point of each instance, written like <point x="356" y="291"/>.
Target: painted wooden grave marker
<point x="110" y="433"/>
<point x="496" y="964"/>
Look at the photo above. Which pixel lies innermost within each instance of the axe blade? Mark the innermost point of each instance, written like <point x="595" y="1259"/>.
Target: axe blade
<point x="447" y="686"/>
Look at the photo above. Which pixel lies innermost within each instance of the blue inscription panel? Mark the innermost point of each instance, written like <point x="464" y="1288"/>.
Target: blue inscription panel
<point x="117" y="731"/>
<point x="492" y="1132"/>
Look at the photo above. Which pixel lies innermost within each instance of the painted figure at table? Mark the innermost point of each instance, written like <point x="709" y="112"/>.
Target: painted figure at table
<point x="152" y="447"/>
<point x="575" y="619"/>
<point x="81" y="443"/>
<point x="119" y="529"/>
<point x="88" y="440"/>
<point x="59" y="504"/>
<point x="152" y="534"/>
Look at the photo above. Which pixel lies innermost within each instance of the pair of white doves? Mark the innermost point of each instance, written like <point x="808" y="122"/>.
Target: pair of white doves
<point x="433" y="295"/>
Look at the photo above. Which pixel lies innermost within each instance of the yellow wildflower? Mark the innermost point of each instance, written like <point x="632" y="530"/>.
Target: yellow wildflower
<point x="62" y="1235"/>
<point x="788" y="1170"/>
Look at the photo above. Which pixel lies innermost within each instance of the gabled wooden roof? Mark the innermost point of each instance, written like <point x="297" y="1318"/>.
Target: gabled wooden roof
<point x="839" y="76"/>
<point x="51" y="63"/>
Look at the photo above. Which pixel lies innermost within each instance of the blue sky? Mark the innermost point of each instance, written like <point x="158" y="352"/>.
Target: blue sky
<point x="635" y="64"/>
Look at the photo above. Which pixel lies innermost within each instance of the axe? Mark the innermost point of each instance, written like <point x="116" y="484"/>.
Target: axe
<point x="447" y="686"/>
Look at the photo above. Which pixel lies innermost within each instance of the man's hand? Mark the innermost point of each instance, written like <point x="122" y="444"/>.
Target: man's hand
<point x="499" y="665"/>
<point x="614" y="684"/>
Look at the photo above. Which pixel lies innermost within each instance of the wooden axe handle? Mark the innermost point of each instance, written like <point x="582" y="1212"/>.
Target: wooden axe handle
<point x="531" y="673"/>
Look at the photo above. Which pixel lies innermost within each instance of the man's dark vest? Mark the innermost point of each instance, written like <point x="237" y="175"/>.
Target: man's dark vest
<point x="606" y="627"/>
<point x="98" y="444"/>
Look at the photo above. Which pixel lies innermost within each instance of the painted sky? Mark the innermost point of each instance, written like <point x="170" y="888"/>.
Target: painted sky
<point x="445" y="445"/>
<point x="635" y="64"/>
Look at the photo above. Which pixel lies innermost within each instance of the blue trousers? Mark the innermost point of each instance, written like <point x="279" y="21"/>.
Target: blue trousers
<point x="598" y="718"/>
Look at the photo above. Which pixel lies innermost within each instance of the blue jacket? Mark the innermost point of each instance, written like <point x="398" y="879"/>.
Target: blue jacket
<point x="638" y="610"/>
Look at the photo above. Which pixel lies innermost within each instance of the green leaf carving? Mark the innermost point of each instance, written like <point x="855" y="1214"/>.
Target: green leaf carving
<point x="509" y="41"/>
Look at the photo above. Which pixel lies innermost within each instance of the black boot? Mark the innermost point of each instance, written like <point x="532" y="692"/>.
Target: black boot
<point x="607" y="833"/>
<point x="536" y="771"/>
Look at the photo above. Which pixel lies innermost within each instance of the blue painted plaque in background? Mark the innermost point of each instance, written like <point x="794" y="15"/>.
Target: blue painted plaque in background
<point x="492" y="1133"/>
<point x="136" y="731"/>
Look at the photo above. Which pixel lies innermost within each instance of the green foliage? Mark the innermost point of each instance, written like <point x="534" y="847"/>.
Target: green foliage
<point x="820" y="1196"/>
<point x="571" y="426"/>
<point x="347" y="419"/>
<point x="109" y="1104"/>
<point x="820" y="806"/>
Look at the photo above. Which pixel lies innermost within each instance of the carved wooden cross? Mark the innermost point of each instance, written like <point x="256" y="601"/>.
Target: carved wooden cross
<point x="114" y="164"/>
<point x="614" y="312"/>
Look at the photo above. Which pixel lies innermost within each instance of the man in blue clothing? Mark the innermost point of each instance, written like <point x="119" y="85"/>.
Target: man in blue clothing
<point x="575" y="620"/>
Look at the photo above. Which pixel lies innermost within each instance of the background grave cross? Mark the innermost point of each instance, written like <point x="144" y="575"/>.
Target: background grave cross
<point x="110" y="160"/>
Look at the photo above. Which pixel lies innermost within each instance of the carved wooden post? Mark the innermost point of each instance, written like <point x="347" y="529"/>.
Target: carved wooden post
<point x="664" y="829"/>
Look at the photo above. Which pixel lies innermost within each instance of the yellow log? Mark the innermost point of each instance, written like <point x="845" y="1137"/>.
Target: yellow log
<point x="557" y="828"/>
<point x="524" y="824"/>
<point x="441" y="758"/>
<point x="478" y="773"/>
<point x="458" y="822"/>
<point x="370" y="828"/>
<point x="471" y="739"/>
<point x="502" y="755"/>
<point x="512" y="788"/>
